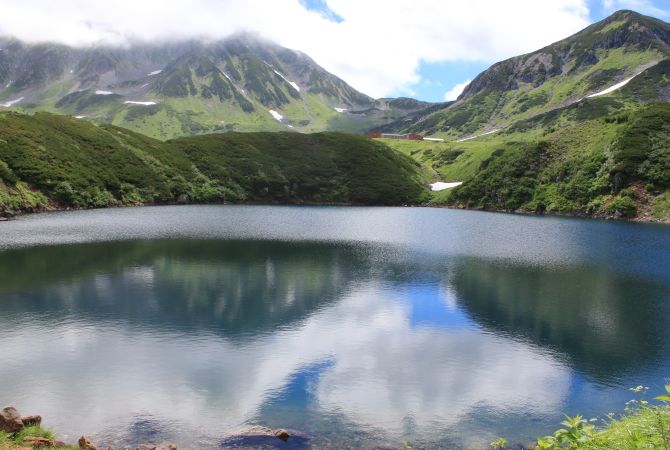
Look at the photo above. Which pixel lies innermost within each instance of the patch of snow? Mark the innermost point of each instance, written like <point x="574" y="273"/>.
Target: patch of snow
<point x="79" y="117"/>
<point x="479" y="135"/>
<point x="276" y="115"/>
<point x="11" y="102"/>
<point x="8" y="84"/>
<point x="441" y="185"/>
<point x="295" y="85"/>
<point x="155" y="72"/>
<point x="227" y="76"/>
<point x="433" y="139"/>
<point x="290" y="126"/>
<point x="340" y="110"/>
<point x="613" y="88"/>
<point x="71" y="71"/>
<point x="103" y="93"/>
<point x="144" y="85"/>
<point x="131" y="102"/>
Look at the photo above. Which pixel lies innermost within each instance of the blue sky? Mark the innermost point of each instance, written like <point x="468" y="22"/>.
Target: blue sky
<point x="439" y="78"/>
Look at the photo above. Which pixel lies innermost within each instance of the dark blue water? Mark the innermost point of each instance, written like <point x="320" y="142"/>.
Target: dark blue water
<point x="359" y="327"/>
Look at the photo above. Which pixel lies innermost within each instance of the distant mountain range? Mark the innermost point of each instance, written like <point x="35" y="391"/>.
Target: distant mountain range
<point x="242" y="83"/>
<point x="580" y="127"/>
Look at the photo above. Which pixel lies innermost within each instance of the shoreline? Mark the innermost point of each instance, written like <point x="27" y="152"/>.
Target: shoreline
<point x="7" y="216"/>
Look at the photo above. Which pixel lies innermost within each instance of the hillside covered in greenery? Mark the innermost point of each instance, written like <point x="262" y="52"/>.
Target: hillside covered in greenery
<point x="51" y="161"/>
<point x="583" y="160"/>
<point x="580" y="127"/>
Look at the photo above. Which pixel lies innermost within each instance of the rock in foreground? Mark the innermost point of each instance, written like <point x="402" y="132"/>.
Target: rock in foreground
<point x="10" y="420"/>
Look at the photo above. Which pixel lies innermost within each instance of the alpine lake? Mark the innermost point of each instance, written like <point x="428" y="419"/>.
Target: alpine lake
<point x="358" y="327"/>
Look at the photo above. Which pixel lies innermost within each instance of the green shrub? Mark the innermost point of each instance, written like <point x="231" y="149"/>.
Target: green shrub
<point x="64" y="193"/>
<point x="6" y="174"/>
<point x="623" y="206"/>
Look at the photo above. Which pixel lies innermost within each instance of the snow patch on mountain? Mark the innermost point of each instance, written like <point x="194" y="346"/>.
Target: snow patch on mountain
<point x="295" y="85"/>
<point x="155" y="72"/>
<point x="340" y="110"/>
<point x="131" y="102"/>
<point x="276" y="115"/>
<point x="11" y="102"/>
<point x="441" y="185"/>
<point x="479" y="135"/>
<point x="613" y="88"/>
<point x="103" y="93"/>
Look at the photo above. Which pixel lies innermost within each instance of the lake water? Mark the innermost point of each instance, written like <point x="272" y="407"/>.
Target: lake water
<point x="359" y="327"/>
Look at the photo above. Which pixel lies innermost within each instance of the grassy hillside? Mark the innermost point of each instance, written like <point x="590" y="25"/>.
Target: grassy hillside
<point x="586" y="159"/>
<point x="48" y="160"/>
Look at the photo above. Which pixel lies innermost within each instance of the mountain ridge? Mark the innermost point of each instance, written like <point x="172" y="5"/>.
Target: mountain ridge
<point x="555" y="76"/>
<point x="242" y="83"/>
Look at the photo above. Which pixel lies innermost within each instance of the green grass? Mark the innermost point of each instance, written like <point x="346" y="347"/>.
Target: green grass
<point x="661" y="206"/>
<point x="642" y="426"/>
<point x="11" y="441"/>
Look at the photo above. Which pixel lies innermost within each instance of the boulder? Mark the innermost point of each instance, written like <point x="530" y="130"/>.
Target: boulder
<point x="86" y="444"/>
<point x="29" y="421"/>
<point x="10" y="420"/>
<point x="163" y="446"/>
<point x="259" y="436"/>
<point x="282" y="434"/>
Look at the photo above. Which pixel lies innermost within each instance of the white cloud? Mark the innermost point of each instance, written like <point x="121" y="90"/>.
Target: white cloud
<point x="455" y="91"/>
<point x="377" y="47"/>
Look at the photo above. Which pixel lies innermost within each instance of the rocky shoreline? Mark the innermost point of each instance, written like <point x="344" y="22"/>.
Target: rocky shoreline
<point x="12" y="423"/>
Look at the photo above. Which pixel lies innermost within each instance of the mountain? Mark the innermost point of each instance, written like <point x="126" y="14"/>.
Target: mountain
<point x="622" y="46"/>
<point x="242" y="83"/>
<point x="580" y="127"/>
<point x="52" y="161"/>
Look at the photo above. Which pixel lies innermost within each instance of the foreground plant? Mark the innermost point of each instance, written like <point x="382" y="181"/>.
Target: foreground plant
<point x="641" y="426"/>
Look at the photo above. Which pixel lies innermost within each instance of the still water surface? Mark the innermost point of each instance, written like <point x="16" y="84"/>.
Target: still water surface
<point x="360" y="327"/>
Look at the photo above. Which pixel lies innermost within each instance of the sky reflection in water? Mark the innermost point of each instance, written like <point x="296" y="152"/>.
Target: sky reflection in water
<point x="441" y="338"/>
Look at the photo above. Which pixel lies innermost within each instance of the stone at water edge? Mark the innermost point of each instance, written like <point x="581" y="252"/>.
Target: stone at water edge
<point x="10" y="420"/>
<point x="282" y="434"/>
<point x="29" y="421"/>
<point x="163" y="446"/>
<point x="86" y="444"/>
<point x="39" y="442"/>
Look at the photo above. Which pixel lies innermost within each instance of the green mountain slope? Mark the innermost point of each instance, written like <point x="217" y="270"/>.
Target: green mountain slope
<point x="622" y="46"/>
<point x="243" y="83"/>
<point x="529" y="135"/>
<point x="48" y="160"/>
